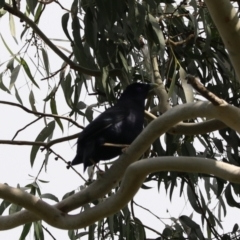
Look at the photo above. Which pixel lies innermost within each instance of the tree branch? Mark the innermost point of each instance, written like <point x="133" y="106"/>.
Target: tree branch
<point x="87" y="71"/>
<point x="42" y="114"/>
<point x="37" y="30"/>
<point x="227" y="22"/>
<point x="226" y="113"/>
<point x="132" y="181"/>
<point x="43" y="144"/>
<point x="197" y="85"/>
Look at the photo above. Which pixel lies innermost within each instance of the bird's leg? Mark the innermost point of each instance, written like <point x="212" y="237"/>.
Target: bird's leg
<point x="95" y="165"/>
<point x="125" y="149"/>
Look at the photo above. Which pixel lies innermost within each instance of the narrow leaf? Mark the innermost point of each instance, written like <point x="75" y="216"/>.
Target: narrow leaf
<point x="14" y="76"/>
<point x="49" y="196"/>
<point x="28" y="72"/>
<point x="12" y="27"/>
<point x="32" y="101"/>
<point x="2" y="2"/>
<point x="25" y="231"/>
<point x="54" y="111"/>
<point x="17" y="95"/>
<point x="9" y="50"/>
<point x="187" y="88"/>
<point x="46" y="132"/>
<point x="45" y="61"/>
<point x="2" y="86"/>
<point x="3" y="206"/>
<point x="65" y="19"/>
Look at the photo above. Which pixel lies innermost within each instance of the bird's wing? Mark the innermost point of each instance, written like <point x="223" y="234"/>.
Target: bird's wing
<point x="105" y="120"/>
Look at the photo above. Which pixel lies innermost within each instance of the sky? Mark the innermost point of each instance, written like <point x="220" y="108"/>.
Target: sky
<point x="15" y="160"/>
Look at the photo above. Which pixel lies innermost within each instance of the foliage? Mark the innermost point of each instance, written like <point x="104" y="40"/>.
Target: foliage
<point x="113" y="43"/>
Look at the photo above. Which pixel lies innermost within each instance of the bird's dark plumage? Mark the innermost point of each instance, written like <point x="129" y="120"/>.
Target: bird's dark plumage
<point x="119" y="124"/>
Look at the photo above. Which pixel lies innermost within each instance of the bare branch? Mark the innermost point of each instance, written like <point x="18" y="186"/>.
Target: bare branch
<point x="195" y="82"/>
<point x="43" y="144"/>
<point x="155" y="129"/>
<point x="42" y="114"/>
<point x="26" y="127"/>
<point x="132" y="181"/>
<point x="160" y="91"/>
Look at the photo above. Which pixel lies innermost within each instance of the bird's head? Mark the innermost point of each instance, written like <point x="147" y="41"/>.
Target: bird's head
<point x="137" y="91"/>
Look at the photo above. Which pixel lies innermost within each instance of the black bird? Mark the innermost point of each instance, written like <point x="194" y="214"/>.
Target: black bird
<point x="119" y="124"/>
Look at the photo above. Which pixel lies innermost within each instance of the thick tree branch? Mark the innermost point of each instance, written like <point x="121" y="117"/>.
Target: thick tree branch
<point x="192" y="128"/>
<point x="227" y="22"/>
<point x="132" y="181"/>
<point x="197" y="128"/>
<point x="160" y="91"/>
<point x="226" y="113"/>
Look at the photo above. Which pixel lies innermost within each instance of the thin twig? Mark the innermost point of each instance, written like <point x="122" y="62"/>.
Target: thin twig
<point x="26" y="127"/>
<point x="48" y="232"/>
<point x="42" y="114"/>
<point x="43" y="144"/>
<point x="69" y="165"/>
<point x="147" y="227"/>
<point x="115" y="145"/>
<point x="196" y="84"/>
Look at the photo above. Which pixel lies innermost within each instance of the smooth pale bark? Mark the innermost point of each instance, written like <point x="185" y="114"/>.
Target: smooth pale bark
<point x="56" y="215"/>
<point x="226" y="19"/>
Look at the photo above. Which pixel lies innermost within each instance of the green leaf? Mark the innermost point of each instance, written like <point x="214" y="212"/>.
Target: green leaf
<point x="81" y="105"/>
<point x="124" y="62"/>
<point x="229" y="197"/>
<point x="91" y="30"/>
<point x="3" y="206"/>
<point x="2" y="2"/>
<point x="28" y="72"/>
<point x="49" y="196"/>
<point x="38" y="13"/>
<point x="9" y="50"/>
<point x="46" y="132"/>
<point x="91" y="231"/>
<point x="195" y="228"/>
<point x="192" y="200"/>
<point x="110" y="225"/>
<point x="65" y="19"/>
<point x="173" y="64"/>
<point x="38" y="231"/>
<point x="54" y="111"/>
<point x="89" y="113"/>
<point x="71" y="234"/>
<point x="14" y="76"/>
<point x="157" y="30"/>
<point x="32" y="101"/>
<point x="235" y="228"/>
<point x="167" y="232"/>
<point x="2" y="86"/>
<point x="67" y="89"/>
<point x="51" y="94"/>
<point x="45" y="61"/>
<point x="187" y="88"/>
<point x="32" y="5"/>
<point x="17" y="95"/>
<point x="68" y="194"/>
<point x="25" y="231"/>
<point x="218" y="144"/>
<point x="12" y="27"/>
<point x="10" y="65"/>
<point x="14" y="208"/>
